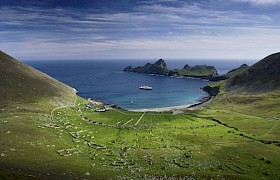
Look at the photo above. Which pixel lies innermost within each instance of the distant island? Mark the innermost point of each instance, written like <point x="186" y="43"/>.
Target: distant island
<point x="160" y="68"/>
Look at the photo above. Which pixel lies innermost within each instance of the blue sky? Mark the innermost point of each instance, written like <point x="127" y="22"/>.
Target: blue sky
<point x="139" y="29"/>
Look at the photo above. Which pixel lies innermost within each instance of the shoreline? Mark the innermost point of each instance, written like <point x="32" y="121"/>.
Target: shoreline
<point x="204" y="102"/>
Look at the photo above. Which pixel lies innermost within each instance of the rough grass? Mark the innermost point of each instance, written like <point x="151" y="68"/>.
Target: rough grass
<point x="80" y="143"/>
<point x="256" y="114"/>
<point x="20" y="83"/>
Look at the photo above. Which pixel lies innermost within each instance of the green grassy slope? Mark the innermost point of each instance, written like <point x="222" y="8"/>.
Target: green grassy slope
<point x="27" y="98"/>
<point x="250" y="99"/>
<point x="255" y="112"/>
<point x="250" y="102"/>
<point x="263" y="76"/>
<point x="20" y="83"/>
<point x="231" y="73"/>
<point x="255" y="116"/>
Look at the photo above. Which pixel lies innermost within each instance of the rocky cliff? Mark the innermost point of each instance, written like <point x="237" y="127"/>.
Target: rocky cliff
<point x="200" y="71"/>
<point x="160" y="68"/>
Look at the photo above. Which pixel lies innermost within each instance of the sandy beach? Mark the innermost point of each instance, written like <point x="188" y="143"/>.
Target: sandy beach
<point x="198" y="105"/>
<point x="164" y="109"/>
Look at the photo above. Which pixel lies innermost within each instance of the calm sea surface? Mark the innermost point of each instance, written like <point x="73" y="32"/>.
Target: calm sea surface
<point x="105" y="80"/>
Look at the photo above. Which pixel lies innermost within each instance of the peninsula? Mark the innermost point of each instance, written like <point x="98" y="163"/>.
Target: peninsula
<point x="160" y="68"/>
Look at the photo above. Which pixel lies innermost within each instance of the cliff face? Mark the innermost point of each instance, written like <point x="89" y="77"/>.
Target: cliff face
<point x="264" y="76"/>
<point x="212" y="91"/>
<point x="160" y="68"/>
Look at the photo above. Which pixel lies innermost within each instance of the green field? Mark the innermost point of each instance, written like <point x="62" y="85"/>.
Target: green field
<point x="225" y="140"/>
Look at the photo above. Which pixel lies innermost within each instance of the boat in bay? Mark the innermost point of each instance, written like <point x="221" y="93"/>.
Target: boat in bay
<point x="146" y="87"/>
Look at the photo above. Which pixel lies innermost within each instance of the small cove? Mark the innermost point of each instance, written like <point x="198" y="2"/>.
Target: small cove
<point x="106" y="81"/>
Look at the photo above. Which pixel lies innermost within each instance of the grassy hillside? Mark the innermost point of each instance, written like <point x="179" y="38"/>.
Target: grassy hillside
<point x="198" y="144"/>
<point x="237" y="71"/>
<point x="22" y="84"/>
<point x="27" y="98"/>
<point x="250" y="99"/>
<point x="231" y="73"/>
<point x="263" y="76"/>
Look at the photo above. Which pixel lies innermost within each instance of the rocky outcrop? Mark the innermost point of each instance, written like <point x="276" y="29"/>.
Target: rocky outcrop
<point x="159" y="68"/>
<point x="204" y="70"/>
<point x="129" y="69"/>
<point x="201" y="68"/>
<point x="212" y="91"/>
<point x="198" y="71"/>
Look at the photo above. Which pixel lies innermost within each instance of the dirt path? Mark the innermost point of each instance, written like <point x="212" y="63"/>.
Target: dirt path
<point x="140" y="119"/>
<point x="275" y="124"/>
<point x="60" y="107"/>
<point x="128" y="121"/>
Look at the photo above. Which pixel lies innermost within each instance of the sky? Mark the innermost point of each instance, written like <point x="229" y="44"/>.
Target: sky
<point x="139" y="29"/>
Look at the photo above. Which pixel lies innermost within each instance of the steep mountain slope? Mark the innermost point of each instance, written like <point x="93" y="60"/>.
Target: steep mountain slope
<point x="20" y="83"/>
<point x="27" y="99"/>
<point x="264" y="76"/>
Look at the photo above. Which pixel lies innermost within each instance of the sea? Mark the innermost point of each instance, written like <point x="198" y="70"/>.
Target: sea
<point x="106" y="81"/>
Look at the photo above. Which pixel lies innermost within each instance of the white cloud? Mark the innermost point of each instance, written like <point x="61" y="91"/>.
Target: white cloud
<point x="260" y="2"/>
<point x="250" y="43"/>
<point x="151" y="31"/>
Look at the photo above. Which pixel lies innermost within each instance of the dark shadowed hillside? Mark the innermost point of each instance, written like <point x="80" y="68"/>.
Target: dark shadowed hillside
<point x="263" y="76"/>
<point x="20" y="83"/>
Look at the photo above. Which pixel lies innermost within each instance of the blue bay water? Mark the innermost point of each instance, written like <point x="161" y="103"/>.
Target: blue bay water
<point x="105" y="80"/>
